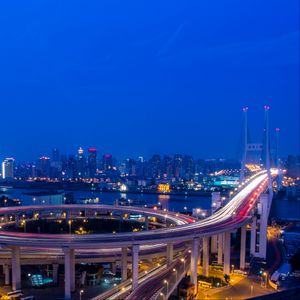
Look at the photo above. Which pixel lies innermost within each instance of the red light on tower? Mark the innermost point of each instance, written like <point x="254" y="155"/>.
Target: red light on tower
<point x="245" y="108"/>
<point x="92" y="149"/>
<point x="266" y="107"/>
<point x="277" y="129"/>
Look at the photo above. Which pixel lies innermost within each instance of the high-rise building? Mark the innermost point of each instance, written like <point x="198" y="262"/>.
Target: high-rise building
<point x="188" y="167"/>
<point x="44" y="167"/>
<point x="154" y="166"/>
<point x="293" y="166"/>
<point x="81" y="163"/>
<point x="130" y="167"/>
<point x="56" y="164"/>
<point x="92" y="162"/>
<point x="177" y="165"/>
<point x="107" y="162"/>
<point x="167" y="166"/>
<point x="71" y="167"/>
<point x="8" y="168"/>
<point x="140" y="167"/>
<point x="55" y="155"/>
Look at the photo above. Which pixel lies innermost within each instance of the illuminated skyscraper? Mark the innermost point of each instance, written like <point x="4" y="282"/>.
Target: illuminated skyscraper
<point x="8" y="168"/>
<point x="81" y="163"/>
<point x="92" y="162"/>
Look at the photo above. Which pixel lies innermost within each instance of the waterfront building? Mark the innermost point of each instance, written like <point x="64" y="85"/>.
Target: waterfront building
<point x="8" y="168"/>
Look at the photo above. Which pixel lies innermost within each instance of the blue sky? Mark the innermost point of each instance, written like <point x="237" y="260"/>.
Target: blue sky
<point x="137" y="77"/>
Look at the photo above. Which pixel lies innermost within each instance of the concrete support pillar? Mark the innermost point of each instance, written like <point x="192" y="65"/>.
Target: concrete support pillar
<point x="73" y="287"/>
<point x="55" y="273"/>
<point x="68" y="254"/>
<point x="205" y="256"/>
<point x="199" y="256"/>
<point x="220" y="248"/>
<point x="113" y="267"/>
<point x="146" y="223"/>
<point x="263" y="228"/>
<point x="170" y="253"/>
<point x="243" y="248"/>
<point x="194" y="261"/>
<point x="214" y="244"/>
<point x="135" y="266"/>
<point x="17" y="219"/>
<point x="6" y="271"/>
<point x="16" y="268"/>
<point x="253" y="236"/>
<point x="124" y="263"/>
<point x="227" y="244"/>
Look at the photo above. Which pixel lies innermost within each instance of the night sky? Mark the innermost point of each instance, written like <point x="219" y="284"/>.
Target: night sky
<point x="141" y="77"/>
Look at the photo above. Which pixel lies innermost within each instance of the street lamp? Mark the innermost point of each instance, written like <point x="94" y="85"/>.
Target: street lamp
<point x="185" y="209"/>
<point x="183" y="260"/>
<point x="24" y="225"/>
<point x="167" y="283"/>
<point x="80" y="294"/>
<point x="174" y="270"/>
<point x="70" y="228"/>
<point x="265" y="274"/>
<point x="162" y="296"/>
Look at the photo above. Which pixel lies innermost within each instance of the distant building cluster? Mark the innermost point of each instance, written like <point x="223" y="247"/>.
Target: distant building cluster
<point x="163" y="173"/>
<point x="89" y="164"/>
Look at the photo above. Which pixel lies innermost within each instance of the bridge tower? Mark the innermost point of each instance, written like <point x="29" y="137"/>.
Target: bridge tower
<point x="245" y="143"/>
<point x="266" y="148"/>
<point x="277" y="162"/>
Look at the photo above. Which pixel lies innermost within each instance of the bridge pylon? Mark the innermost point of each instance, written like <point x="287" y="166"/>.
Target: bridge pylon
<point x="266" y="149"/>
<point x="245" y="143"/>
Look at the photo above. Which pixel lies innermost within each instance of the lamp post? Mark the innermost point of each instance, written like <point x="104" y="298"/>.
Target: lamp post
<point x="183" y="260"/>
<point x="176" y="273"/>
<point x="167" y="283"/>
<point x="80" y="294"/>
<point x="70" y="226"/>
<point x="265" y="274"/>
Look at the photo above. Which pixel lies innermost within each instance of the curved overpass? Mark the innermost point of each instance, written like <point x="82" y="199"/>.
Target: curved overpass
<point x="233" y="215"/>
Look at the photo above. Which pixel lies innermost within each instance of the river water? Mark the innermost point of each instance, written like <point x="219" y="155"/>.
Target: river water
<point x="171" y="202"/>
<point x="281" y="209"/>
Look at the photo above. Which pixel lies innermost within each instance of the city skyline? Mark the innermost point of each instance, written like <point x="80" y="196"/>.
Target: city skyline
<point x="233" y="154"/>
